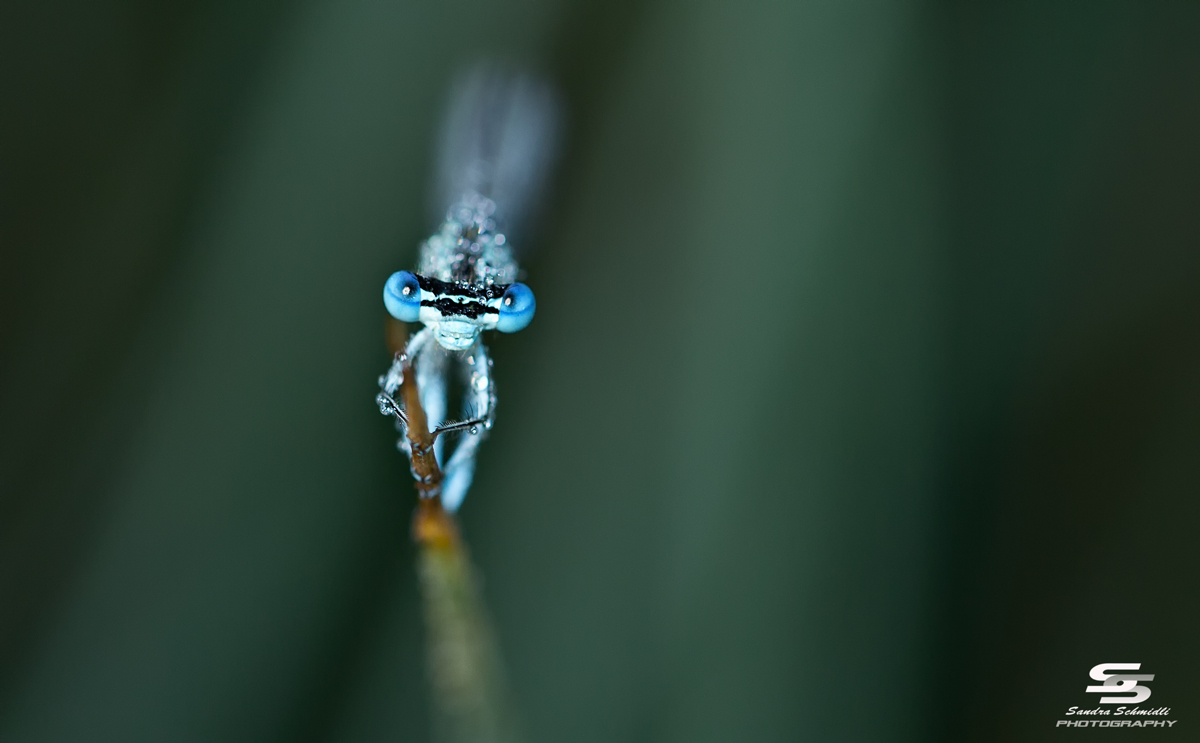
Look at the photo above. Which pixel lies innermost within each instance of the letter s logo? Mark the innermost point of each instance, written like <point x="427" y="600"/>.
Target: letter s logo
<point x="1120" y="683"/>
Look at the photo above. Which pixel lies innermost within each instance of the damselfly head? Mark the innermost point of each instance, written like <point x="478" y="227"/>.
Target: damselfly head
<point x="457" y="312"/>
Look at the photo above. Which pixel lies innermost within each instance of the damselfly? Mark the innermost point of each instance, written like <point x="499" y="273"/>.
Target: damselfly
<point x="497" y="145"/>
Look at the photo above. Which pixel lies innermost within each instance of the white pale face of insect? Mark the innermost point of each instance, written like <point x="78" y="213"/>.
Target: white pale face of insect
<point x="454" y="332"/>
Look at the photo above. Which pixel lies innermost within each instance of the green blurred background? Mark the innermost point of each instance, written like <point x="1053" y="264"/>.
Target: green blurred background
<point x="862" y="404"/>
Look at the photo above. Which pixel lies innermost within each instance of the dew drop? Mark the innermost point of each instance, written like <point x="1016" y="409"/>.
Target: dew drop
<point x="385" y="405"/>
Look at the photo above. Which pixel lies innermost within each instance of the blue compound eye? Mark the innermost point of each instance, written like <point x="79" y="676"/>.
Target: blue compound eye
<point x="516" y="308"/>
<point x="402" y="296"/>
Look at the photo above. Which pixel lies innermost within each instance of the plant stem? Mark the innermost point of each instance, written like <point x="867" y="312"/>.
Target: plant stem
<point x="469" y="694"/>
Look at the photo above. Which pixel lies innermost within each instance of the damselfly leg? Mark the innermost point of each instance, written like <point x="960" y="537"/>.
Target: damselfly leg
<point x="432" y="366"/>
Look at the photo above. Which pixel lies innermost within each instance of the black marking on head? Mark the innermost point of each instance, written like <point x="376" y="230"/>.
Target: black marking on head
<point x="450" y="308"/>
<point x="460" y="289"/>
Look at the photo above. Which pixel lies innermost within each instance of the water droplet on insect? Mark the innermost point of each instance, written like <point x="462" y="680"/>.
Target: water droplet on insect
<point x="474" y="430"/>
<point x="384" y="403"/>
